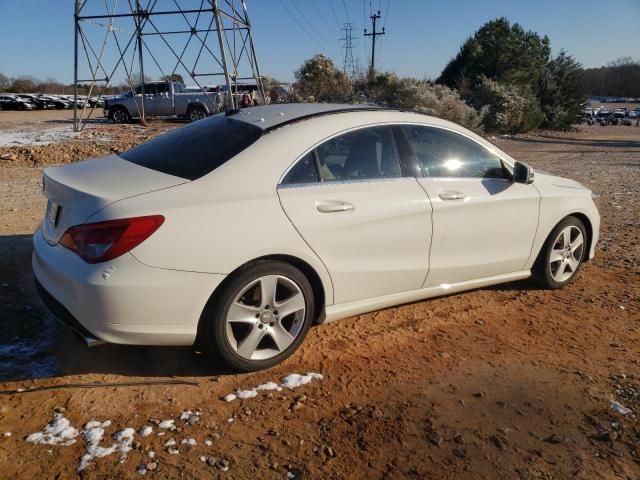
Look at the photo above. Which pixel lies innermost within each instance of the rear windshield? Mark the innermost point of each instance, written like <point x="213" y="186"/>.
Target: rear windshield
<point x="194" y="150"/>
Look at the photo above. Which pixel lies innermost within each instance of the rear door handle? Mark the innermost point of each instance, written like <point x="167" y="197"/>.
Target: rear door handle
<point x="333" y="206"/>
<point x="451" y="195"/>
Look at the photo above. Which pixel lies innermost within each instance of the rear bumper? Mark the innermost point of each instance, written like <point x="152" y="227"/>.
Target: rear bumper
<point x="121" y="301"/>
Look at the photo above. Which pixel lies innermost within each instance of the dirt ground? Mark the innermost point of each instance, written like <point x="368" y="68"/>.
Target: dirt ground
<point x="503" y="382"/>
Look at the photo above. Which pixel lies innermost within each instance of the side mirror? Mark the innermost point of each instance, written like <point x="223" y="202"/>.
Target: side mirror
<point x="522" y="173"/>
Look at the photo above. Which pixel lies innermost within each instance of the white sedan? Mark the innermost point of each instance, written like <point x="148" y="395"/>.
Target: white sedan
<point x="242" y="230"/>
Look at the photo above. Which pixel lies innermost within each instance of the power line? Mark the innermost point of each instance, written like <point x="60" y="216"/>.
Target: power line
<point x="346" y="12"/>
<point x="301" y="27"/>
<point x="333" y="10"/>
<point x="386" y="14"/>
<point x="304" y="17"/>
<point x="320" y="14"/>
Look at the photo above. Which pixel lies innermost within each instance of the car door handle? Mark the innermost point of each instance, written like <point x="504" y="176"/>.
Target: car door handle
<point x="333" y="206"/>
<point x="451" y="195"/>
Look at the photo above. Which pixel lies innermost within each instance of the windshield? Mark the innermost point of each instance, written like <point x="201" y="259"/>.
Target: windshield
<point x="197" y="149"/>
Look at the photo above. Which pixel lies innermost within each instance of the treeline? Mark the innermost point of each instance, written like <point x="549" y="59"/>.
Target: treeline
<point x="620" y="78"/>
<point x="29" y="84"/>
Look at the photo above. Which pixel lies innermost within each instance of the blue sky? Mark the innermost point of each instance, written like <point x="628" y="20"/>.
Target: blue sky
<point x="422" y="35"/>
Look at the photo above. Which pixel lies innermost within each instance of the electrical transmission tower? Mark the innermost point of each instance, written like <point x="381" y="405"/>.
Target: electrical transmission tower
<point x="196" y="39"/>
<point x="374" y="34"/>
<point x="348" y="66"/>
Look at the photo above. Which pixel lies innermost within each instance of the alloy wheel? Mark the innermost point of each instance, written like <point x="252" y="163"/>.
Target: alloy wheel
<point x="119" y="116"/>
<point x="265" y="318"/>
<point x="566" y="254"/>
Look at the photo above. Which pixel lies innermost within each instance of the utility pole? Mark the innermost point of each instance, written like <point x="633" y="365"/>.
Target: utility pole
<point x="373" y="36"/>
<point x="348" y="65"/>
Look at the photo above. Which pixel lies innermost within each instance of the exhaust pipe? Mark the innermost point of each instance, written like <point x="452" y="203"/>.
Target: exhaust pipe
<point x="87" y="339"/>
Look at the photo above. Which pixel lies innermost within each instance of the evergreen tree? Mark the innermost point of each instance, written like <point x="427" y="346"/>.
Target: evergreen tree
<point x="561" y="91"/>
<point x="499" y="51"/>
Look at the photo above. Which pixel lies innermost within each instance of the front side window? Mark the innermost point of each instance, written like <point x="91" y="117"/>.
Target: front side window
<point x="368" y="153"/>
<point x="442" y="153"/>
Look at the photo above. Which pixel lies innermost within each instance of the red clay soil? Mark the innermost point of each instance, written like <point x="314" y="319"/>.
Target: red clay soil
<point x="503" y="382"/>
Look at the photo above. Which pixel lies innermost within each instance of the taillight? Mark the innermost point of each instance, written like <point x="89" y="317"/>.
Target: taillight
<point x="102" y="241"/>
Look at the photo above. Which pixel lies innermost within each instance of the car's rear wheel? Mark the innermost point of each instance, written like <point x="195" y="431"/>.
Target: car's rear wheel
<point x="261" y="317"/>
<point x="196" y="113"/>
<point x="562" y="254"/>
<point x="119" y="115"/>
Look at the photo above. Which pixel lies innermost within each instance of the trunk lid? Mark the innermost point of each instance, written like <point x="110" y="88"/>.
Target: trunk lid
<point x="75" y="192"/>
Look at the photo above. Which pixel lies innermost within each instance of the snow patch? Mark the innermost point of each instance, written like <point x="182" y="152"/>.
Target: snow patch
<point x="246" y="393"/>
<point x="269" y="386"/>
<point x="296" y="380"/>
<point x="32" y="136"/>
<point x="291" y="381"/>
<point x="167" y="424"/>
<point x="93" y="435"/>
<point x="146" y="431"/>
<point x="208" y="443"/>
<point x="58" y="432"/>
<point x="619" y="408"/>
<point x="7" y="434"/>
<point x="170" y="443"/>
<point x="189" y="441"/>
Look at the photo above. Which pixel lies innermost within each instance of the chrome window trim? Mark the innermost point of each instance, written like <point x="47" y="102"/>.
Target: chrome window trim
<point x="390" y="125"/>
<point x="284" y="186"/>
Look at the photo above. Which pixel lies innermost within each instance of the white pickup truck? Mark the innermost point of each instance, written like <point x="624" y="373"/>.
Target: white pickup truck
<point x="162" y="99"/>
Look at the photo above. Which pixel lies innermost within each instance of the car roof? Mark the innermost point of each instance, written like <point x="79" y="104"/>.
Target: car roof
<point x="269" y="117"/>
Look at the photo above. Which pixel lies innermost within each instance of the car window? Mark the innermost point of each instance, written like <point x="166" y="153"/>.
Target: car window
<point x="442" y="153"/>
<point x="302" y="172"/>
<point x="362" y="154"/>
<point x="162" y="88"/>
<point x="197" y="149"/>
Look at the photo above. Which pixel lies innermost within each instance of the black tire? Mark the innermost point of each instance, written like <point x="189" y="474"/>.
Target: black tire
<point x="119" y="115"/>
<point x="542" y="270"/>
<point x="214" y="317"/>
<point x="196" y="113"/>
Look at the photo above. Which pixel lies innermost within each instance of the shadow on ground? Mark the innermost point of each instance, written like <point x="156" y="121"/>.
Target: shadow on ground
<point x="34" y="345"/>
<point x="582" y="142"/>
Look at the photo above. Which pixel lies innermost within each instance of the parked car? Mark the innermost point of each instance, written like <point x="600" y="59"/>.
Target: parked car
<point x="162" y="99"/>
<point x="40" y="103"/>
<point x="631" y="118"/>
<point x="13" y="102"/>
<point x="242" y="230"/>
<point x="57" y="102"/>
<point x="618" y="116"/>
<point x="604" y="117"/>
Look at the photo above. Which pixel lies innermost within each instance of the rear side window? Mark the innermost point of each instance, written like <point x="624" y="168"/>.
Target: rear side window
<point x="367" y="153"/>
<point x="197" y="149"/>
<point x="302" y="172"/>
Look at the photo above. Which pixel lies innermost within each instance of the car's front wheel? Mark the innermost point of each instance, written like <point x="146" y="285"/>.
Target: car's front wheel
<point x="562" y="254"/>
<point x="261" y="317"/>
